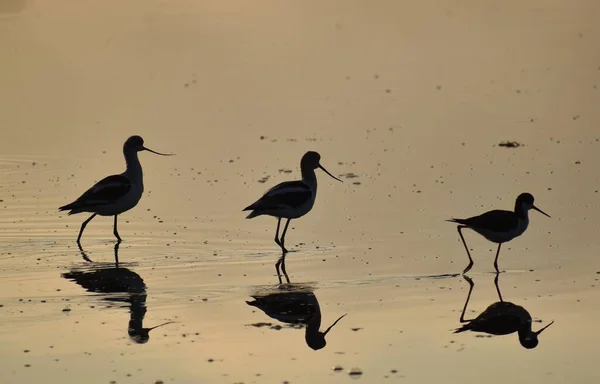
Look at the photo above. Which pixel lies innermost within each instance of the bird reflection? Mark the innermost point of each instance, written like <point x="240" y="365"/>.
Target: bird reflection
<point x="121" y="285"/>
<point x="501" y="318"/>
<point x="294" y="304"/>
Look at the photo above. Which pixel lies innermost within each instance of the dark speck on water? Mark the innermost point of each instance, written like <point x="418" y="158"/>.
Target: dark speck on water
<point x="510" y="144"/>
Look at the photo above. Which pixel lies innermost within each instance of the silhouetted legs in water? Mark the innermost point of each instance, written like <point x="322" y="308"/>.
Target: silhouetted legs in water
<point x="460" y="227"/>
<point x="497" y="286"/>
<point x="496" y="261"/>
<point x="115" y="232"/>
<point x="281" y="242"/>
<point x="82" y="228"/>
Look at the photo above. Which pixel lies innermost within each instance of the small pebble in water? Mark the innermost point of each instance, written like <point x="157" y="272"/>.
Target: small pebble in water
<point x="338" y="368"/>
<point x="355" y="372"/>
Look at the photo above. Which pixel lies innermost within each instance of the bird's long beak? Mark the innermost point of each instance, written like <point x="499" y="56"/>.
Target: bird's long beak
<point x="540" y="211"/>
<point x="158" y="153"/>
<point x="327" y="172"/>
<point x="156" y="326"/>
<point x="331" y="326"/>
<point x="541" y="330"/>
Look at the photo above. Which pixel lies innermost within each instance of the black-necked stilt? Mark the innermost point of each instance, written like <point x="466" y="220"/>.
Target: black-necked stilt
<point x="499" y="226"/>
<point x="290" y="200"/>
<point x="501" y="318"/>
<point x="295" y="304"/>
<point x="119" y="285"/>
<point x="114" y="194"/>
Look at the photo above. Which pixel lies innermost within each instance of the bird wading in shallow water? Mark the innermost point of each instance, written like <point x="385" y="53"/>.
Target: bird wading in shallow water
<point x="499" y="226"/>
<point x="114" y="194"/>
<point x="290" y="200"/>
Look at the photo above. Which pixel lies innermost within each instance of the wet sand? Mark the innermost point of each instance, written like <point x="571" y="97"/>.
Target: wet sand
<point x="407" y="102"/>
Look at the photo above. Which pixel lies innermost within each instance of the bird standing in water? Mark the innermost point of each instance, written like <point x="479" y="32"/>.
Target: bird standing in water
<point x="290" y="200"/>
<point x="499" y="226"/>
<point x="114" y="194"/>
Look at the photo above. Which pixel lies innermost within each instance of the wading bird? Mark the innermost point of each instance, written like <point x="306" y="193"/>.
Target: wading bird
<point x="499" y="226"/>
<point x="114" y="194"/>
<point x="290" y="200"/>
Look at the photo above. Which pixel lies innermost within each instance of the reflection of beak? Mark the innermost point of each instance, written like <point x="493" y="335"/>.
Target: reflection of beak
<point x="320" y="166"/>
<point x="169" y="322"/>
<point x="329" y="329"/>
<point x="158" y="153"/>
<point x="540" y="211"/>
<point x="542" y="330"/>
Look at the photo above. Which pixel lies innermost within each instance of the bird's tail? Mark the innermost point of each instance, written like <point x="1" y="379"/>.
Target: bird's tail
<point x="459" y="221"/>
<point x="72" y="207"/>
<point x="465" y="327"/>
<point x="253" y="214"/>
<point x="254" y="209"/>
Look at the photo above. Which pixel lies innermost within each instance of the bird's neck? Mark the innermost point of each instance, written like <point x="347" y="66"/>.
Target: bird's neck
<point x="521" y="212"/>
<point x="134" y="168"/>
<point x="309" y="178"/>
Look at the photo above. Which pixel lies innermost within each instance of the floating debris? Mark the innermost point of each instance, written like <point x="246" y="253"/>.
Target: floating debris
<point x="338" y="368"/>
<point x="510" y="144"/>
<point x="355" y="372"/>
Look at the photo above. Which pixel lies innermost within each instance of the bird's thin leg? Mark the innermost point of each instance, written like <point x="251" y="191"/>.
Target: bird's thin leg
<point x="277" y="268"/>
<point x="471" y="285"/>
<point x="498" y="286"/>
<point x="496" y="259"/>
<point x="460" y="227"/>
<point x="277" y="232"/>
<point x="283" y="268"/>
<point x="117" y="254"/>
<point x="83" y="227"/>
<point x="115" y="232"/>
<point x="283" y="236"/>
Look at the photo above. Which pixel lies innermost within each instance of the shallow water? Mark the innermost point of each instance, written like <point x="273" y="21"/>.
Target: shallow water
<point x="407" y="102"/>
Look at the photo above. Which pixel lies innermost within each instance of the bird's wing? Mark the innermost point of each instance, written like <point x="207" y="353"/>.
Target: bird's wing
<point x="496" y="220"/>
<point x="106" y="191"/>
<point x="288" y="194"/>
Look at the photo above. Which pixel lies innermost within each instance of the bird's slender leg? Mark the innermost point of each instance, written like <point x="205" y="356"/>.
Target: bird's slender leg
<point x="278" y="243"/>
<point x="277" y="232"/>
<point x="117" y="254"/>
<point x="283" y="236"/>
<point x="497" y="286"/>
<point x="460" y="227"/>
<point x="471" y="285"/>
<point x="283" y="268"/>
<point x="115" y="232"/>
<point x="277" y="268"/>
<point x="83" y="227"/>
<point x="496" y="259"/>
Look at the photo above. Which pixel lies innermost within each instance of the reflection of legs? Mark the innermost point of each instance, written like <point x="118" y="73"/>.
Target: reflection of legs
<point x="85" y="257"/>
<point x="496" y="260"/>
<point x="497" y="286"/>
<point x="467" y="248"/>
<point x="115" y="232"/>
<point x="83" y="227"/>
<point x="283" y="236"/>
<point x="117" y="254"/>
<point x="471" y="285"/>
